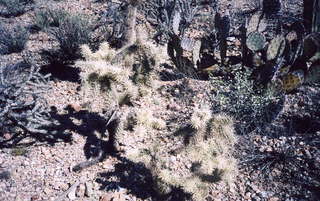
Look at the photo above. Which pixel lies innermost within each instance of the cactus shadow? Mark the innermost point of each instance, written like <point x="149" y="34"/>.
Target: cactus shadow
<point x="138" y="180"/>
<point x="61" y="72"/>
<point x="92" y="126"/>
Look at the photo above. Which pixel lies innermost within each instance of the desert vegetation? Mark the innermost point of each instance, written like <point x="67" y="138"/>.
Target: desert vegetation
<point x="159" y="100"/>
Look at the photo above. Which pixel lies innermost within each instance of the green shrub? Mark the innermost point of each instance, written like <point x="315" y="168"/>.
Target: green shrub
<point x="12" y="40"/>
<point x="12" y="8"/>
<point x="253" y="107"/>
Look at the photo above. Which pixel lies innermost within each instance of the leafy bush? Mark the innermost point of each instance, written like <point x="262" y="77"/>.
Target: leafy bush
<point x="12" y="40"/>
<point x="14" y="7"/>
<point x="240" y="98"/>
<point x="23" y="109"/>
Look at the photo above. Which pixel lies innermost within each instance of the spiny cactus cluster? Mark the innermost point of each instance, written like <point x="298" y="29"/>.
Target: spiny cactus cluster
<point x="205" y="160"/>
<point x="143" y="122"/>
<point x="112" y="80"/>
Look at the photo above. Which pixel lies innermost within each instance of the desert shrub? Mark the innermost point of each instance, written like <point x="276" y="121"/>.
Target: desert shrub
<point x="12" y="40"/>
<point x="23" y="108"/>
<point x="253" y="107"/>
<point x="73" y="31"/>
<point x="11" y="8"/>
<point x="49" y="18"/>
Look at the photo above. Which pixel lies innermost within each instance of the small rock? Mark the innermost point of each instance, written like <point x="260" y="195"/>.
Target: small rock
<point x="265" y="194"/>
<point x="274" y="199"/>
<point x="255" y="188"/>
<point x="89" y="189"/>
<point x="64" y="186"/>
<point x="308" y="154"/>
<point x="7" y="136"/>
<point x="80" y="190"/>
<point x="176" y="92"/>
<point x="106" y="197"/>
<point x="72" y="194"/>
<point x="256" y="198"/>
<point x="248" y="195"/>
<point x="47" y="191"/>
<point x="232" y="39"/>
<point x="77" y="107"/>
<point x="269" y="149"/>
<point x="35" y="197"/>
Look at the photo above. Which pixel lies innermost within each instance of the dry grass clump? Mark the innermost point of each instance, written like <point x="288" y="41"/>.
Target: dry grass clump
<point x="12" y="39"/>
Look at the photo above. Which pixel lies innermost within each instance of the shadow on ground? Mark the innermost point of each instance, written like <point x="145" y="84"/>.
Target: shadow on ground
<point x="62" y="72"/>
<point x="138" y="180"/>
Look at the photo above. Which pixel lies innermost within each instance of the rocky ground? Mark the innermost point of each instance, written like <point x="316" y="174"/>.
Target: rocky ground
<point x="282" y="163"/>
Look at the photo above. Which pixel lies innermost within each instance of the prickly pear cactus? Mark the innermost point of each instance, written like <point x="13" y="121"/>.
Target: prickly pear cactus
<point x="257" y="23"/>
<point x="311" y="45"/>
<point x="313" y="73"/>
<point x="176" y="23"/>
<point x="292" y="80"/>
<point x="276" y="47"/>
<point x="255" y="41"/>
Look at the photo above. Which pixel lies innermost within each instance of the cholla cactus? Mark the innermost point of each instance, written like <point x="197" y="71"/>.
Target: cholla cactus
<point x="313" y="73"/>
<point x="221" y="126"/>
<point x="276" y="47"/>
<point x="200" y="117"/>
<point x="311" y="45"/>
<point x="206" y="161"/>
<point x="255" y="41"/>
<point x="145" y="118"/>
<point x="99" y="77"/>
<point x="104" y="53"/>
